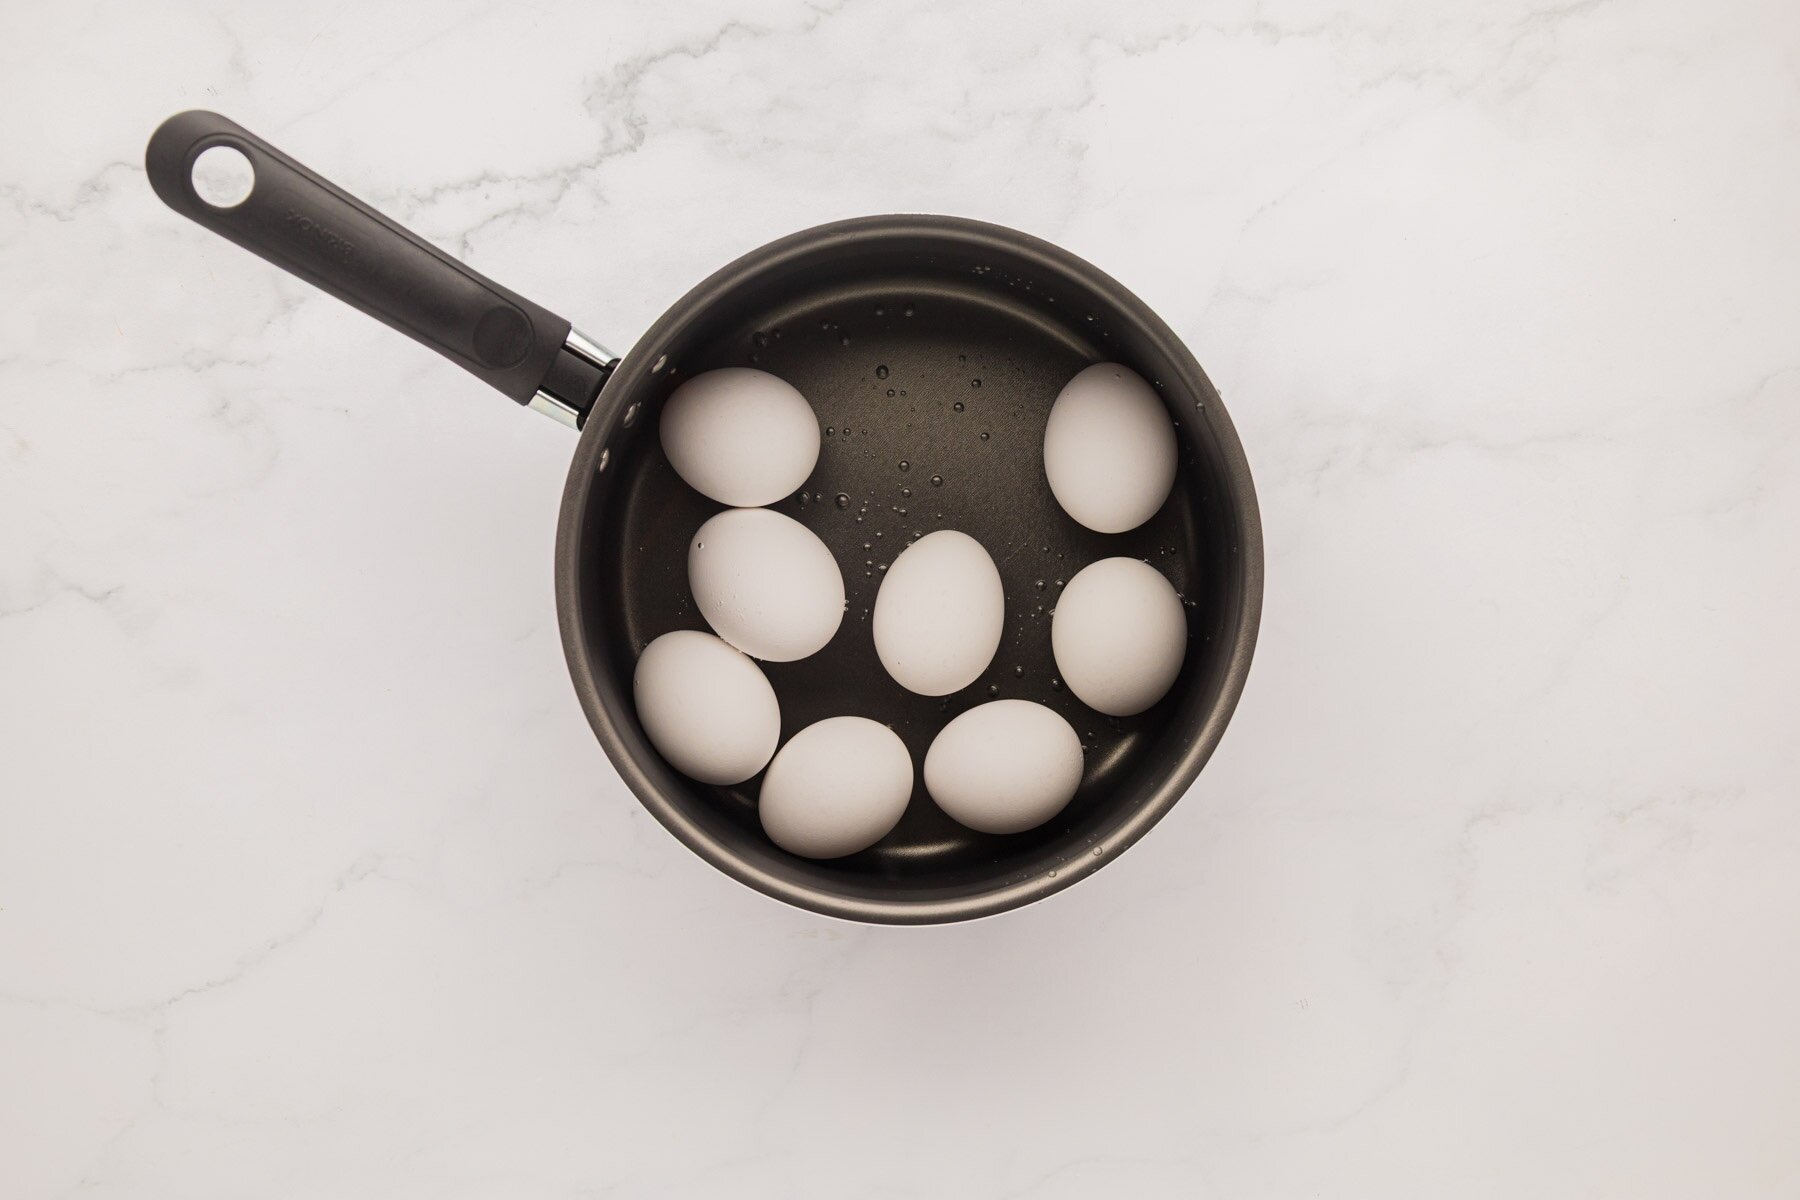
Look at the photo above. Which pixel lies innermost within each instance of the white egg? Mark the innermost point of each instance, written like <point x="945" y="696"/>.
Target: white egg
<point x="837" y="787"/>
<point x="1109" y="449"/>
<point x="1119" y="635"/>
<point x="765" y="583"/>
<point x="1004" y="766"/>
<point x="740" y="436"/>
<point x="939" y="613"/>
<point x="705" y="707"/>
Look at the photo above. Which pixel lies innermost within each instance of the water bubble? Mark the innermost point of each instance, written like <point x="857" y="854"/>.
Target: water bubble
<point x="843" y="500"/>
<point x="881" y="372"/>
<point x="937" y="481"/>
<point x="958" y="406"/>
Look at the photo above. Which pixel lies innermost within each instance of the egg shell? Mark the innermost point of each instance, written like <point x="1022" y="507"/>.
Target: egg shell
<point x="939" y="614"/>
<point x="705" y="707"/>
<point x="740" y="436"/>
<point x="1109" y="449"/>
<point x="837" y="787"/>
<point x="1119" y="635"/>
<point x="1004" y="766"/>
<point x="765" y="583"/>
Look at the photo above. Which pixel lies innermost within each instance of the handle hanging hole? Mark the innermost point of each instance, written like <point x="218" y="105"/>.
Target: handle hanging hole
<point x="223" y="176"/>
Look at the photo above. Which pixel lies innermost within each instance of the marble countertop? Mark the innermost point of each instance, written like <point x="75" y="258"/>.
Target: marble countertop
<point x="315" y="884"/>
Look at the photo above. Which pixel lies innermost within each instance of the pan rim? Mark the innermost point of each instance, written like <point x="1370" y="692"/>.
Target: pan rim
<point x="636" y="368"/>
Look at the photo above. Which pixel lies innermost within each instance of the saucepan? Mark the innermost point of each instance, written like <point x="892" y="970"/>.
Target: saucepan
<point x="934" y="341"/>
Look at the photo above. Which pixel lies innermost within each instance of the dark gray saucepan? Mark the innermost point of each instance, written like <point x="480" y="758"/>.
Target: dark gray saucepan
<point x="977" y="327"/>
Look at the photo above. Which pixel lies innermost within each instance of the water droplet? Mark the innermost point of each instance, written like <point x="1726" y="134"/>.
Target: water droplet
<point x="881" y="372"/>
<point x="890" y="393"/>
<point x="1056" y="685"/>
<point x="631" y="416"/>
<point x="829" y="431"/>
<point x="881" y="566"/>
<point x="906" y="491"/>
<point x="962" y="358"/>
<point x="804" y="498"/>
<point x="1018" y="672"/>
<point x="984" y="436"/>
<point x="605" y="457"/>
<point x="907" y="311"/>
<point x="843" y="500"/>
<point x="880" y="311"/>
<point x="993" y="689"/>
<point x="958" y="406"/>
<point x="699" y="545"/>
<point x="905" y="466"/>
<point x="1059" y="582"/>
<point x="974" y="383"/>
<point x="760" y="338"/>
<point x="1040" y="585"/>
<point x="844" y="340"/>
<point x="1098" y="851"/>
<point x="1053" y="874"/>
<point x="937" y="481"/>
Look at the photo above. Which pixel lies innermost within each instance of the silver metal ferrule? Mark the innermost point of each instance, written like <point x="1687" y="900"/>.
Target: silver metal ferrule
<point x="588" y="348"/>
<point x="555" y="409"/>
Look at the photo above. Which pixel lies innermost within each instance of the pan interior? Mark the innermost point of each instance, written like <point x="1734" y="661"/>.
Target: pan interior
<point x="932" y="371"/>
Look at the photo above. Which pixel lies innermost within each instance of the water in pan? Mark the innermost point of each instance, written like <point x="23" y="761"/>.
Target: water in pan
<point x="934" y="402"/>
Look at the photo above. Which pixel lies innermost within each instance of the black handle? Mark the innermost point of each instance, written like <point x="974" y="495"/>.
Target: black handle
<point x="313" y="229"/>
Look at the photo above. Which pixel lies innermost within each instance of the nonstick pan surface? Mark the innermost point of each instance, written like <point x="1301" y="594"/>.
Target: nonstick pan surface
<point x="932" y="349"/>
